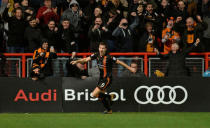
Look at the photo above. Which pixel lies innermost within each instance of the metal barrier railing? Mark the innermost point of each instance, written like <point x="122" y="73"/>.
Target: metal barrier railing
<point x="12" y="67"/>
<point x="194" y="65"/>
<point x="145" y="57"/>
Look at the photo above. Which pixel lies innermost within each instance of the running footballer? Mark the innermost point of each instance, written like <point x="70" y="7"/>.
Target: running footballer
<point x="105" y="62"/>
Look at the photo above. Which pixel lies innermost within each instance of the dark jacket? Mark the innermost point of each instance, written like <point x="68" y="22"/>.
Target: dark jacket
<point x="16" y="30"/>
<point x="32" y="38"/>
<point x="51" y="36"/>
<point x="124" y="37"/>
<point x="111" y="27"/>
<point x="176" y="63"/>
<point x="67" y="41"/>
<point x="166" y="12"/>
<point x="96" y="37"/>
<point x="183" y="14"/>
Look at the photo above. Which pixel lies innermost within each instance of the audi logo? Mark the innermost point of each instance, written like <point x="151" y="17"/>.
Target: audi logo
<point x="161" y="95"/>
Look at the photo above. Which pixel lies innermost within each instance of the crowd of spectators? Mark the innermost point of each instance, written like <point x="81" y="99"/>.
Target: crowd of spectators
<point x="126" y="25"/>
<point x="71" y="26"/>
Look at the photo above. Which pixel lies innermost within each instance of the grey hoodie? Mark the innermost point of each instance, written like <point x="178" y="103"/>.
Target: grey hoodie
<point x="73" y="2"/>
<point x="73" y="17"/>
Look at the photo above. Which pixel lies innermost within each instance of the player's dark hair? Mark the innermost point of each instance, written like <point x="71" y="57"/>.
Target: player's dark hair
<point x="103" y="43"/>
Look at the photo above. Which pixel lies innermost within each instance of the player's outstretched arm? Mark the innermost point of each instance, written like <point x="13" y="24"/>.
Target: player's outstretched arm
<point x="126" y="66"/>
<point x="82" y="61"/>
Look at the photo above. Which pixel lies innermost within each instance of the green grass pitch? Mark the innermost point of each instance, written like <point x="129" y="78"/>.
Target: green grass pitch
<point x="98" y="120"/>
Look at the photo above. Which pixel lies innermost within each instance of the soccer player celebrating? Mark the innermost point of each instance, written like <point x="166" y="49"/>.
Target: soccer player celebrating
<point x="105" y="63"/>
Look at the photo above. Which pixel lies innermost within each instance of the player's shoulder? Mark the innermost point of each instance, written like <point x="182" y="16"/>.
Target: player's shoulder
<point x="111" y="57"/>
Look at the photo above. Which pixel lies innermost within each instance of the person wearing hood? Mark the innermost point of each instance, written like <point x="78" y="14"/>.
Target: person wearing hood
<point x="74" y="14"/>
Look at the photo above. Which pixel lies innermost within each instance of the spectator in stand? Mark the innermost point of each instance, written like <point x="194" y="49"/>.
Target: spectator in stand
<point x="124" y="35"/>
<point x="50" y="32"/>
<point x="97" y="33"/>
<point x="24" y="5"/>
<point x="89" y="12"/>
<point x="139" y="30"/>
<point x="181" y="10"/>
<point x="42" y="58"/>
<point x="148" y="41"/>
<point x="75" y="15"/>
<point x="97" y="13"/>
<point x="169" y="35"/>
<point x="138" y="73"/>
<point x="17" y="26"/>
<point x="176" y="65"/>
<point x="191" y="31"/>
<point x="67" y="45"/>
<point x="28" y="11"/>
<point x="206" y="18"/>
<point x="114" y="4"/>
<point x="111" y="23"/>
<point x="132" y="7"/>
<point x="33" y="35"/>
<point x="165" y="10"/>
<point x="151" y="16"/>
<point x="47" y="13"/>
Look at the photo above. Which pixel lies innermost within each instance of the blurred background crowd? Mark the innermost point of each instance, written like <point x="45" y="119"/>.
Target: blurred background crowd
<point x="126" y="25"/>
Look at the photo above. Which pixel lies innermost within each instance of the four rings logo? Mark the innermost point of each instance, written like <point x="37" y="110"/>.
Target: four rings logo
<point x="160" y="95"/>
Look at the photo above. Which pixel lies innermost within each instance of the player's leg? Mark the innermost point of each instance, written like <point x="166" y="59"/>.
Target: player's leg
<point x="105" y="98"/>
<point x="96" y="92"/>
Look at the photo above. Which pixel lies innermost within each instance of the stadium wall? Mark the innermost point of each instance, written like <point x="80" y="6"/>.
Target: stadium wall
<point x="24" y="95"/>
<point x="132" y="95"/>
